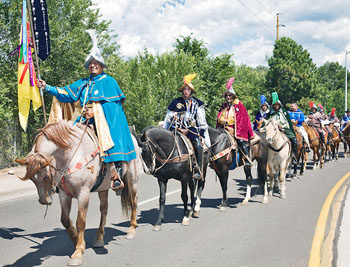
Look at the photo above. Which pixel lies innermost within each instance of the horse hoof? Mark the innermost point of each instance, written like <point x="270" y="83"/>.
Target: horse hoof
<point x="289" y="179"/>
<point x="244" y="203"/>
<point x="190" y="214"/>
<point x="75" y="262"/>
<point x="196" y="214"/>
<point x="295" y="177"/>
<point x="270" y="194"/>
<point x="264" y="201"/>
<point x="130" y="236"/>
<point x="157" y="228"/>
<point x="283" y="196"/>
<point x="222" y="208"/>
<point x="98" y="244"/>
<point x="185" y="221"/>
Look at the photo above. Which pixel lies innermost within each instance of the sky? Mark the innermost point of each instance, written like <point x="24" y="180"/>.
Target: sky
<point x="244" y="28"/>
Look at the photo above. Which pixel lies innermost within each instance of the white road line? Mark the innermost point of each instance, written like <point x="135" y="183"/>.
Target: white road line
<point x="155" y="198"/>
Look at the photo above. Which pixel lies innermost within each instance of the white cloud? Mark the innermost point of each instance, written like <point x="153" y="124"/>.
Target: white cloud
<point x="226" y="26"/>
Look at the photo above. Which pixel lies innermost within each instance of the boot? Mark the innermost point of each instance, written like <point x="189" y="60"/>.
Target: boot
<point x="245" y="149"/>
<point x="294" y="150"/>
<point x="198" y="148"/>
<point x="322" y="138"/>
<point x="117" y="183"/>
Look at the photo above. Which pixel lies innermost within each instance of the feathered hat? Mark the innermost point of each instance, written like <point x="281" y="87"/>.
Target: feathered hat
<point x="95" y="53"/>
<point x="188" y="82"/>
<point x="332" y="112"/>
<point x="312" y="105"/>
<point x="263" y="101"/>
<point x="320" y="107"/>
<point x="229" y="88"/>
<point x="275" y="99"/>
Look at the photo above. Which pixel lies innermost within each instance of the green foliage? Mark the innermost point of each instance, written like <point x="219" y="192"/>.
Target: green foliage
<point x="291" y="72"/>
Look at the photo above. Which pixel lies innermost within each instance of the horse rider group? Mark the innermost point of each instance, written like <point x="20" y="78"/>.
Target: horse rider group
<point x="100" y="100"/>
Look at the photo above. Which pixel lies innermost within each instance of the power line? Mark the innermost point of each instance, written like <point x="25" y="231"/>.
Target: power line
<point x="265" y="8"/>
<point x="266" y="28"/>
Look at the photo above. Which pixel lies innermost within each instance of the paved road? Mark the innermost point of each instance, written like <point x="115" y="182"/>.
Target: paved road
<point x="277" y="234"/>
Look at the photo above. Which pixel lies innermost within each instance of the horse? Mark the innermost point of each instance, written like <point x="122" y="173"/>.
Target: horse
<point x="333" y="143"/>
<point x="166" y="155"/>
<point x="223" y="154"/>
<point x="279" y="156"/>
<point x="315" y="145"/>
<point x="346" y="135"/>
<point x="301" y="153"/>
<point x="68" y="157"/>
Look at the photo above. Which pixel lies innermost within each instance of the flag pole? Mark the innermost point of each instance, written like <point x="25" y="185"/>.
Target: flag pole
<point x="29" y="8"/>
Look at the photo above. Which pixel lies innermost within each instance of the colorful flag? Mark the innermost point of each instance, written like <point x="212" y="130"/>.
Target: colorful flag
<point x="41" y="28"/>
<point x="27" y="88"/>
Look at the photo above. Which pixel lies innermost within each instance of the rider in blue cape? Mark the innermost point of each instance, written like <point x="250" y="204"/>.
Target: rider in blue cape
<point x="101" y="100"/>
<point x="261" y="115"/>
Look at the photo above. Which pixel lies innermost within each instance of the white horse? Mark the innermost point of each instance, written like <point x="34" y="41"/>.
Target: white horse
<point x="279" y="157"/>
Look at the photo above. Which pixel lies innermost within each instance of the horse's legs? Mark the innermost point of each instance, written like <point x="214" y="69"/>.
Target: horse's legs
<point x="200" y="187"/>
<point x="83" y="203"/>
<point x="272" y="179"/>
<point x="162" y="188"/>
<point x="223" y="177"/>
<point x="282" y="176"/>
<point x="184" y="197"/>
<point x="133" y="223"/>
<point x="66" y="204"/>
<point x="103" y="195"/>
<point x="249" y="178"/>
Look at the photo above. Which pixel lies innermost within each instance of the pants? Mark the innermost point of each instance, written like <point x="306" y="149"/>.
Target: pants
<point x="305" y="136"/>
<point x="243" y="145"/>
<point x="199" y="151"/>
<point x="294" y="142"/>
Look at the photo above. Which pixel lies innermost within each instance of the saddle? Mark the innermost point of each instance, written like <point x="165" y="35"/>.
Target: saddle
<point x="226" y="151"/>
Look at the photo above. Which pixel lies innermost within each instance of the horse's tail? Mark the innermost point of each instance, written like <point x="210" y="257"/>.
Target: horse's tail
<point x="129" y="193"/>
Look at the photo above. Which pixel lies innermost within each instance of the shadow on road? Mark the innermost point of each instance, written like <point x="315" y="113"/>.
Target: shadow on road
<point x="55" y="243"/>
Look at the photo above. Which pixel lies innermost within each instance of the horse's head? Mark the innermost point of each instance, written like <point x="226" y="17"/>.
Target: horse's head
<point x="39" y="171"/>
<point x="270" y="130"/>
<point x="148" y="160"/>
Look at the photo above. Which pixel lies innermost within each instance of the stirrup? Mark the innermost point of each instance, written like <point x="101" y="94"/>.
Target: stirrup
<point x="117" y="184"/>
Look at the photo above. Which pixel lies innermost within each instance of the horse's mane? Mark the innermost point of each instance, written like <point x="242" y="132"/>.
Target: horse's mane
<point x="60" y="133"/>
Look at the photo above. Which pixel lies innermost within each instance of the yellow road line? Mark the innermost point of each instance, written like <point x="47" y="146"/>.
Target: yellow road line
<point x="315" y="254"/>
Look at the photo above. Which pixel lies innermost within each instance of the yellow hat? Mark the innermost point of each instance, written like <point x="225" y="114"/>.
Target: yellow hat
<point x="188" y="82"/>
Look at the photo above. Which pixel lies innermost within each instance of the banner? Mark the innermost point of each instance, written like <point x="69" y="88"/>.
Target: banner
<point x="41" y="28"/>
<point x="27" y="88"/>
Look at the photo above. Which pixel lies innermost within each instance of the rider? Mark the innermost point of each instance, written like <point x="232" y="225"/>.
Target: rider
<point x="261" y="115"/>
<point x="282" y="118"/>
<point x="325" y="122"/>
<point x="187" y="115"/>
<point x="336" y="122"/>
<point x="345" y="119"/>
<point x="298" y="117"/>
<point x="101" y="100"/>
<point x="234" y="117"/>
<point x="314" y="120"/>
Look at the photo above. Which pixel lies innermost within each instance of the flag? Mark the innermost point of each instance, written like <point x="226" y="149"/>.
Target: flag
<point x="27" y="88"/>
<point x="41" y="28"/>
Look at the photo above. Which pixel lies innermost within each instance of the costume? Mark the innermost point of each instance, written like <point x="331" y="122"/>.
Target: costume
<point x="336" y="122"/>
<point x="299" y="117"/>
<point x="233" y="115"/>
<point x="314" y="120"/>
<point x="189" y="114"/>
<point x="281" y="117"/>
<point x="261" y="114"/>
<point x="325" y="122"/>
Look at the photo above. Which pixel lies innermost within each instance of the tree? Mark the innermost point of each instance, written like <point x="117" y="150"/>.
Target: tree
<point x="292" y="72"/>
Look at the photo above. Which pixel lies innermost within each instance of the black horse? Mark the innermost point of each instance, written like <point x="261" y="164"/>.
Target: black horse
<point x="165" y="159"/>
<point x="220" y="142"/>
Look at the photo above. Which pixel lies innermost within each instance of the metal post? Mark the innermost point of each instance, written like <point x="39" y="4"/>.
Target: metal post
<point x="277" y="34"/>
<point x="346" y="81"/>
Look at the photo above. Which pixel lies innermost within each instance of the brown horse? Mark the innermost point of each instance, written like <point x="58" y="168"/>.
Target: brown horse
<point x="301" y="153"/>
<point x="346" y="135"/>
<point x="316" y="146"/>
<point x="67" y="156"/>
<point x="334" y="143"/>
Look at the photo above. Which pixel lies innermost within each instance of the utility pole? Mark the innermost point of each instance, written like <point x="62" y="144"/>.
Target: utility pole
<point x="278" y="26"/>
